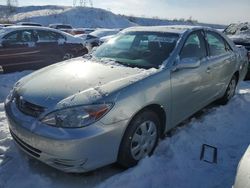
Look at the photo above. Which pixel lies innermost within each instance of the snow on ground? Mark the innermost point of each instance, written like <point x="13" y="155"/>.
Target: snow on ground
<point x="176" y="162"/>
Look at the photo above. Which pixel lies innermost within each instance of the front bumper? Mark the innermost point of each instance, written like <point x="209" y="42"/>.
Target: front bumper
<point x="69" y="150"/>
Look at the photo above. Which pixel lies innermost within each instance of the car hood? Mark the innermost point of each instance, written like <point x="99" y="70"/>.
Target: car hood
<point x="240" y="38"/>
<point x="77" y="81"/>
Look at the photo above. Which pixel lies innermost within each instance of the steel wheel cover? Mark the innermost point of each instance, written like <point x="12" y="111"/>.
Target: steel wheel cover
<point x="143" y="140"/>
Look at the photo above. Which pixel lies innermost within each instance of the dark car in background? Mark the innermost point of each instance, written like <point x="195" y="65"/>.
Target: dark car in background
<point x="5" y="25"/>
<point x="29" y="24"/>
<point x="62" y="27"/>
<point x="29" y="47"/>
<point x="240" y="35"/>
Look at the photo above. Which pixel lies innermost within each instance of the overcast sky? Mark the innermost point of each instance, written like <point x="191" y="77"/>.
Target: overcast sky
<point x="211" y="11"/>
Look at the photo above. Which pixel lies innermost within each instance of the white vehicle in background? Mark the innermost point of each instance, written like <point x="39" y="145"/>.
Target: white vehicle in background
<point x="80" y="31"/>
<point x="93" y="39"/>
<point x="240" y="34"/>
<point x="106" y="38"/>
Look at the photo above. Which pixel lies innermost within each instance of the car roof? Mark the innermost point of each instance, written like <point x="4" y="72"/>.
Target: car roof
<point x="56" y="24"/>
<point x="21" y="27"/>
<point x="179" y="29"/>
<point x="20" y="23"/>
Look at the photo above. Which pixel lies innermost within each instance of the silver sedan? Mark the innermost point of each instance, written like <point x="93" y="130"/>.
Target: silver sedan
<point x="114" y="104"/>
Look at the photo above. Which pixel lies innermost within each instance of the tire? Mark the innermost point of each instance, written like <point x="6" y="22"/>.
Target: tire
<point x="67" y="56"/>
<point x="230" y="92"/>
<point x="140" y="139"/>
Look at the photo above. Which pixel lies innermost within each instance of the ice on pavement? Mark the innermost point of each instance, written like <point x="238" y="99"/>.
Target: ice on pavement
<point x="175" y="164"/>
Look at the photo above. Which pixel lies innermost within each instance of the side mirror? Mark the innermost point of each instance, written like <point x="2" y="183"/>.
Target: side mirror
<point x="188" y="63"/>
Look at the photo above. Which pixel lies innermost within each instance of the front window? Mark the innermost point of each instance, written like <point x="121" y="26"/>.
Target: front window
<point x="24" y="36"/>
<point x="138" y="49"/>
<point x="194" y="47"/>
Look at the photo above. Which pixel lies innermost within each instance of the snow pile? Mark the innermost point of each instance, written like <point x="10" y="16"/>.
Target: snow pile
<point x="176" y="162"/>
<point x="76" y="16"/>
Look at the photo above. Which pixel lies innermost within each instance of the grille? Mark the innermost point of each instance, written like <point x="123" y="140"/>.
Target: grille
<point x="28" y="108"/>
<point x="31" y="150"/>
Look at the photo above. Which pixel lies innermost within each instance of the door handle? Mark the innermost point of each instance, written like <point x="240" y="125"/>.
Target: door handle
<point x="208" y="70"/>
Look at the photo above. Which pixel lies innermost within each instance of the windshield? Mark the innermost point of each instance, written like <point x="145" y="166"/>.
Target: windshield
<point x="138" y="49"/>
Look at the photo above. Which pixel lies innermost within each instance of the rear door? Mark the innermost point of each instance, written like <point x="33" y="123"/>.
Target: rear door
<point x="51" y="49"/>
<point x="221" y="61"/>
<point x="18" y="51"/>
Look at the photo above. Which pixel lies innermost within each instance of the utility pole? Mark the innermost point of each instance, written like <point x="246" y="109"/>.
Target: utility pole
<point x="11" y="5"/>
<point x="82" y="3"/>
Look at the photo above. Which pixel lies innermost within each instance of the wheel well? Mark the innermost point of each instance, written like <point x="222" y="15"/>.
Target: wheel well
<point x="237" y="75"/>
<point x="159" y="111"/>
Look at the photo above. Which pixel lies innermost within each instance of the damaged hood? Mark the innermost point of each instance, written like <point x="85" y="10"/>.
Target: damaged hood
<point x="77" y="81"/>
<point x="240" y="38"/>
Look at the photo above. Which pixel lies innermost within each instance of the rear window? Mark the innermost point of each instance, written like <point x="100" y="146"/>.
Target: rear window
<point x="63" y="27"/>
<point x="216" y="44"/>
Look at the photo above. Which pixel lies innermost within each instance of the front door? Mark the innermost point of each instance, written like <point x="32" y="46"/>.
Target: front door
<point x="18" y="51"/>
<point x="190" y="84"/>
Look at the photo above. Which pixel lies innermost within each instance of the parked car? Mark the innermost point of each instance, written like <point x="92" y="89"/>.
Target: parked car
<point x="115" y="104"/>
<point x="29" y="24"/>
<point x="240" y="34"/>
<point x="243" y="171"/>
<point x="106" y="38"/>
<point x="5" y="25"/>
<point x="80" y="31"/>
<point x="29" y="47"/>
<point x="63" y="27"/>
<point x="93" y="39"/>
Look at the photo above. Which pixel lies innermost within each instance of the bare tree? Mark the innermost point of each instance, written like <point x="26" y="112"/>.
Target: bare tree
<point x="82" y="3"/>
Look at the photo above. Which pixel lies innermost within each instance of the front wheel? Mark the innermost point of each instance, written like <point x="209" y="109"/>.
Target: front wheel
<point x="140" y="139"/>
<point x="230" y="92"/>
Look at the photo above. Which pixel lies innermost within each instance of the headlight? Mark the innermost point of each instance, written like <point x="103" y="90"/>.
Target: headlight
<point x="76" y="117"/>
<point x="12" y="92"/>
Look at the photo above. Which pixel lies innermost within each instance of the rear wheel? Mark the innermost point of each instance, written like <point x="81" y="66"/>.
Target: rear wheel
<point x="67" y="56"/>
<point x="230" y="92"/>
<point x="140" y="139"/>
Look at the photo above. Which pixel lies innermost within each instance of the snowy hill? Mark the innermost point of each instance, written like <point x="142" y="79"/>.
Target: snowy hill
<point x="76" y="16"/>
<point x="86" y="17"/>
<point x="157" y="21"/>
